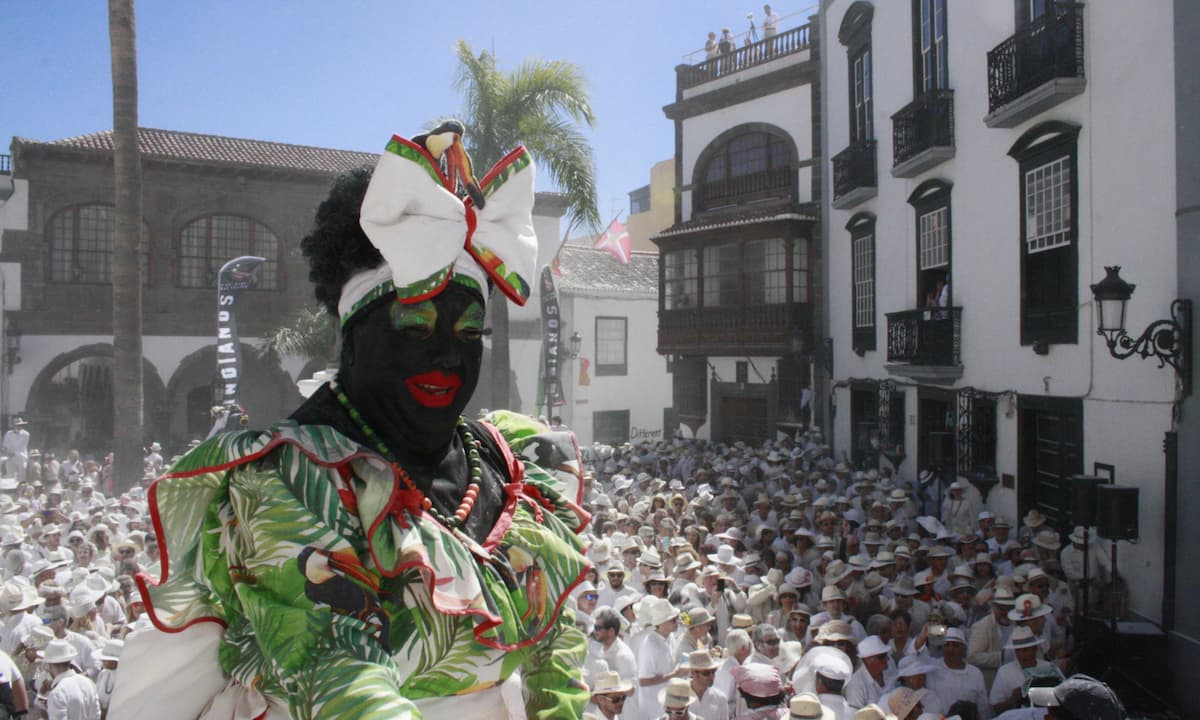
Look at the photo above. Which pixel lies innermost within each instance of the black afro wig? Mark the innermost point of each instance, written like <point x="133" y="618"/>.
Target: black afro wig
<point x="337" y="248"/>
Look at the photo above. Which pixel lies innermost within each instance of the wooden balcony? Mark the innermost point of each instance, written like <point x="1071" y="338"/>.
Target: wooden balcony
<point x="925" y="344"/>
<point x="733" y="329"/>
<point x="854" y="180"/>
<point x="746" y="188"/>
<point x="788" y="42"/>
<point x="923" y="133"/>
<point x="1037" y="68"/>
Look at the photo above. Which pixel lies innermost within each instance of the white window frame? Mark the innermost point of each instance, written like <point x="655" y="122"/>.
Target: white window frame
<point x="934" y="238"/>
<point x="864" y="280"/>
<point x="1048" y="206"/>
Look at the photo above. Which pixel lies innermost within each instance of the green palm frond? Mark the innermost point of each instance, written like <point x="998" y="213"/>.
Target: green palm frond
<point x="312" y="334"/>
<point x="543" y="104"/>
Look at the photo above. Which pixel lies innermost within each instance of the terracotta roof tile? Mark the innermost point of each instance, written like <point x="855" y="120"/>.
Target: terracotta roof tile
<point x="172" y="144"/>
<point x="596" y="273"/>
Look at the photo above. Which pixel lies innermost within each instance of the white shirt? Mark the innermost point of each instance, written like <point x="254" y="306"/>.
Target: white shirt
<point x="713" y="706"/>
<point x="861" y="689"/>
<point x="72" y="697"/>
<point x="1009" y="677"/>
<point x="653" y="659"/>
<point x="966" y="684"/>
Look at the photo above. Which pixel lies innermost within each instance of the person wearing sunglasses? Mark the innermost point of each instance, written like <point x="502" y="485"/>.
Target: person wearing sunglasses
<point x="711" y="703"/>
<point x="606" y="632"/>
<point x="610" y="695"/>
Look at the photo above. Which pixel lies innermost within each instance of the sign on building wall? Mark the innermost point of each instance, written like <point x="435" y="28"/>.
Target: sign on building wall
<point x="551" y="337"/>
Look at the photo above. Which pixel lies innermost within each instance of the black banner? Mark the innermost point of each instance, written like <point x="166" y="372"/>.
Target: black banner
<point x="236" y="275"/>
<point x="551" y="337"/>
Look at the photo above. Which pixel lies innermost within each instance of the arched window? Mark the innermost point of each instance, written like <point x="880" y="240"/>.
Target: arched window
<point x="209" y="242"/>
<point x="81" y="245"/>
<point x="748" y="166"/>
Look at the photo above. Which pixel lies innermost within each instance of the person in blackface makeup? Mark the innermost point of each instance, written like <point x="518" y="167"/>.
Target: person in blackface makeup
<point x="377" y="555"/>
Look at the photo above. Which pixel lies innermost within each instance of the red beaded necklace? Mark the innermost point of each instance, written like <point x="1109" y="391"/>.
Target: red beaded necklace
<point x="470" y="444"/>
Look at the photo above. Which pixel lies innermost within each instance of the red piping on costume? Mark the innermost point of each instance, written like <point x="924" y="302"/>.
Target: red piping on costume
<point x="489" y="622"/>
<point x="144" y="581"/>
<point x="433" y="163"/>
<point x="504" y="162"/>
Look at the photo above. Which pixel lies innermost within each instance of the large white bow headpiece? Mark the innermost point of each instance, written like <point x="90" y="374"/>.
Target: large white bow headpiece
<point x="427" y="234"/>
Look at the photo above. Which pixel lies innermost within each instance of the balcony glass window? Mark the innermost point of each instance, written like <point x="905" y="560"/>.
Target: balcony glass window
<point x="861" y="121"/>
<point x="800" y="271"/>
<point x="864" y="281"/>
<point x="766" y="272"/>
<point x="721" y="275"/>
<point x="81" y="246"/>
<point x="1046" y="155"/>
<point x="209" y="242"/>
<point x="612" y="334"/>
<point x="1048" y="205"/>
<point x="934" y="233"/>
<point x="932" y="70"/>
<point x="680" y="275"/>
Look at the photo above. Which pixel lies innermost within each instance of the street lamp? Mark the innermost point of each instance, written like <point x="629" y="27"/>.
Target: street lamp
<point x="1166" y="340"/>
<point x="576" y="344"/>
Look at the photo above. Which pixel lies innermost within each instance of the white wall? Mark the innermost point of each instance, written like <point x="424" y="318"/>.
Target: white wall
<point x="1126" y="217"/>
<point x="14" y="212"/>
<point x="645" y="390"/>
<point x="789" y="109"/>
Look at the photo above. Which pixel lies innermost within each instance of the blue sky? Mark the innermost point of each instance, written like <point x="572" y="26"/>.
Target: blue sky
<point x="348" y="74"/>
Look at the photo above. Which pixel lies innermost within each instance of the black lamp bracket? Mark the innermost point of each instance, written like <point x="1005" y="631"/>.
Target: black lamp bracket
<point x="1165" y="340"/>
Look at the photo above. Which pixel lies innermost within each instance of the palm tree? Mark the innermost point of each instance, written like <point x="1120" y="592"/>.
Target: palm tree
<point x="312" y="335"/>
<point x="126" y="275"/>
<point x="541" y="104"/>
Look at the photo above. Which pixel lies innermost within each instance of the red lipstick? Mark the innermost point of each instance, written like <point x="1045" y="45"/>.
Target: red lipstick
<point x="434" y="389"/>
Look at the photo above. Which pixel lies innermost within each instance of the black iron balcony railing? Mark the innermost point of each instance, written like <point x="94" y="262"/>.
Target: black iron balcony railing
<point x="753" y="186"/>
<point x="728" y="327"/>
<point x="1048" y="48"/>
<point x="854" y="168"/>
<point x="785" y="43"/>
<point x="931" y="336"/>
<point x="924" y="123"/>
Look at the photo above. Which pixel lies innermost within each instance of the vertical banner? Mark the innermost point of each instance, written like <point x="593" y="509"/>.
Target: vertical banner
<point x="235" y="276"/>
<point x="551" y="336"/>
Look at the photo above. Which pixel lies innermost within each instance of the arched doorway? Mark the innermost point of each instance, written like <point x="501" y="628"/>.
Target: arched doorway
<point x="266" y="392"/>
<point x="71" y="401"/>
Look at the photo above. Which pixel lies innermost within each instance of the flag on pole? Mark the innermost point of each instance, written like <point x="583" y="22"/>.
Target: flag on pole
<point x="615" y="240"/>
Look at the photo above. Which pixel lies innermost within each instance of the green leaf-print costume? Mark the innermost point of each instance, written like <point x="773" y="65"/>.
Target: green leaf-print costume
<point x="433" y="613"/>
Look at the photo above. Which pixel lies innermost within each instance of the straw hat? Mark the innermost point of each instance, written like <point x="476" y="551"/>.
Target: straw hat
<point x="830" y="593"/>
<point x="1028" y="607"/>
<point x="660" y="612"/>
<point x="834" y="631"/>
<point x="696" y="617"/>
<point x="873" y="712"/>
<point x="111" y="650"/>
<point x="677" y="694"/>
<point x="58" y="651"/>
<point x="1034" y="519"/>
<point x="901" y="701"/>
<point x="741" y="621"/>
<point x="610" y="682"/>
<point x="807" y="706"/>
<point x="18" y="596"/>
<point x="701" y="660"/>
<point x="1022" y="637"/>
<point x="1048" y="539"/>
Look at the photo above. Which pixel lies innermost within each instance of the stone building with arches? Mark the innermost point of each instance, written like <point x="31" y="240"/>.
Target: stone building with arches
<point x="206" y="199"/>
<point x="740" y="267"/>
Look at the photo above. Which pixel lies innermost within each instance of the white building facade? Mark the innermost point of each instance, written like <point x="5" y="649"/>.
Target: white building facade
<point x="989" y="160"/>
<point x="740" y="265"/>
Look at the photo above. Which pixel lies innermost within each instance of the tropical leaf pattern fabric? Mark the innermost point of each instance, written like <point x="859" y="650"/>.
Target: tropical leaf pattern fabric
<point x="340" y="602"/>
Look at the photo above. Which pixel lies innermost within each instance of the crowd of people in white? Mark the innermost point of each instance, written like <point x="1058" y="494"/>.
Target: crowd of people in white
<point x="728" y="582"/>
<point x="733" y="581"/>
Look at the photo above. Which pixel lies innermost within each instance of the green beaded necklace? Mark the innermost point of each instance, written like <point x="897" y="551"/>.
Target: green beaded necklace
<point x="470" y="444"/>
